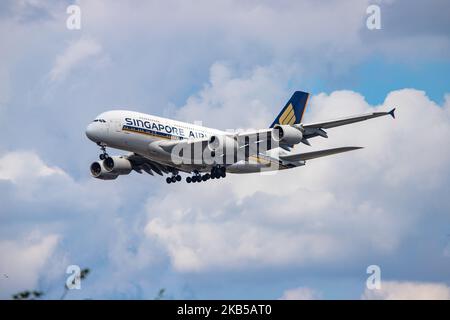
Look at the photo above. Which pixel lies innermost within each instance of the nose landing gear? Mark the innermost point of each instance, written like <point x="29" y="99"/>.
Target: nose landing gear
<point x="103" y="155"/>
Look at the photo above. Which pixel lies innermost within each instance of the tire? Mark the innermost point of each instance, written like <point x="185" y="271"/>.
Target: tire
<point x="178" y="177"/>
<point x="168" y="180"/>
<point x="188" y="179"/>
<point x="174" y="179"/>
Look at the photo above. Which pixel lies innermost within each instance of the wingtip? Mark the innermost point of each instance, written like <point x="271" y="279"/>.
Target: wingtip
<point x="392" y="113"/>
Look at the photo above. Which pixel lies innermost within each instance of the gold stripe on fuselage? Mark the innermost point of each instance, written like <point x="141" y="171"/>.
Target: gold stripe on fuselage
<point x="148" y="134"/>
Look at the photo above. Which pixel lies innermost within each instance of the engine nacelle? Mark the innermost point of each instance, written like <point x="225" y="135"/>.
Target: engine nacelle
<point x="117" y="165"/>
<point x="286" y="134"/>
<point x="225" y="144"/>
<point x="98" y="171"/>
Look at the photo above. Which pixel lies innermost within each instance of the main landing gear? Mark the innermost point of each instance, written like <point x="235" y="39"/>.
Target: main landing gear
<point x="174" y="178"/>
<point x="103" y="155"/>
<point x="216" y="173"/>
<point x="197" y="177"/>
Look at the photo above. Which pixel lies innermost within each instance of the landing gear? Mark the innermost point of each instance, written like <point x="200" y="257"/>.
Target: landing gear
<point x="197" y="177"/>
<point x="103" y="155"/>
<point x="174" y="178"/>
<point x="218" y="172"/>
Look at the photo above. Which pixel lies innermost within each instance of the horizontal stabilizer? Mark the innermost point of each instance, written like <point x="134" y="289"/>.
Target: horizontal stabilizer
<point x="315" y="154"/>
<point x="347" y="120"/>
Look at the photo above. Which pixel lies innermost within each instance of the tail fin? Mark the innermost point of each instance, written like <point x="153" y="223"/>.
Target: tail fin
<point x="293" y="110"/>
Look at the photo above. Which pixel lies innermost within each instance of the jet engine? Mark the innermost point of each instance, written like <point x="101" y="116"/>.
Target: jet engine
<point x="98" y="171"/>
<point x="117" y="165"/>
<point x="286" y="134"/>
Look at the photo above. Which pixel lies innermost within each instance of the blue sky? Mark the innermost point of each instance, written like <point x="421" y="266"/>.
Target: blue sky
<point x="230" y="65"/>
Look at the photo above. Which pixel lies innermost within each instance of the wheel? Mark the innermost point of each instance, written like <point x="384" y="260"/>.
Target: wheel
<point x="223" y="174"/>
<point x="207" y="176"/>
<point x="204" y="178"/>
<point x="102" y="156"/>
<point x="178" y="177"/>
<point x="188" y="179"/>
<point x="173" y="179"/>
<point x="168" y="180"/>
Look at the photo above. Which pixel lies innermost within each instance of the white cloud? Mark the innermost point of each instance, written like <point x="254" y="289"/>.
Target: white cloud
<point x="314" y="213"/>
<point x="24" y="261"/>
<point x="398" y="290"/>
<point x="25" y="165"/>
<point x="336" y="209"/>
<point x="230" y="102"/>
<point x="300" y="293"/>
<point x="38" y="196"/>
<point x="74" y="55"/>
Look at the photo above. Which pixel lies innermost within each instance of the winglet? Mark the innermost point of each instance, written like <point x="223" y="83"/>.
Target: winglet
<point x="392" y="113"/>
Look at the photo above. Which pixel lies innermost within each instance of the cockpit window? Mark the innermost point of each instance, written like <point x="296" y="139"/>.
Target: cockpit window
<point x="99" y="120"/>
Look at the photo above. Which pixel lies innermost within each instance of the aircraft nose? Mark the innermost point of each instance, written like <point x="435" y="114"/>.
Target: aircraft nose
<point x="90" y="132"/>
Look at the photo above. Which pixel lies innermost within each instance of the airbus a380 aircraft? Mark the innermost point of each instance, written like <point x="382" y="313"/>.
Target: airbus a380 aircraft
<point x="164" y="146"/>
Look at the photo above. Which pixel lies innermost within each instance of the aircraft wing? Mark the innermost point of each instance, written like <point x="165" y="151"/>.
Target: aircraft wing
<point x="140" y="163"/>
<point x="315" y="154"/>
<point x="316" y="129"/>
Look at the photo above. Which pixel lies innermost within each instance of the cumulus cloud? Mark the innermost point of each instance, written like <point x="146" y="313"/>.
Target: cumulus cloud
<point x="25" y="165"/>
<point x="405" y="290"/>
<point x="76" y="53"/>
<point x="24" y="261"/>
<point x="51" y="213"/>
<point x="300" y="293"/>
<point x="333" y="213"/>
<point x="318" y="212"/>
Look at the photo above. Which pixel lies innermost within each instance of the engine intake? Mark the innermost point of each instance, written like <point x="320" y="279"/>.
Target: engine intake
<point x="117" y="165"/>
<point x="286" y="134"/>
<point x="98" y="171"/>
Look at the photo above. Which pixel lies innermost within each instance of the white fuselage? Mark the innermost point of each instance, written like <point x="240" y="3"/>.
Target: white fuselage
<point x="141" y="133"/>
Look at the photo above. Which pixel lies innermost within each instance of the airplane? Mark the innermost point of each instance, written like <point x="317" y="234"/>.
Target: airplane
<point x="169" y="147"/>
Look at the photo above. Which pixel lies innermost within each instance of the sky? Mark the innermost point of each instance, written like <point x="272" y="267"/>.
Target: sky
<point x="306" y="233"/>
